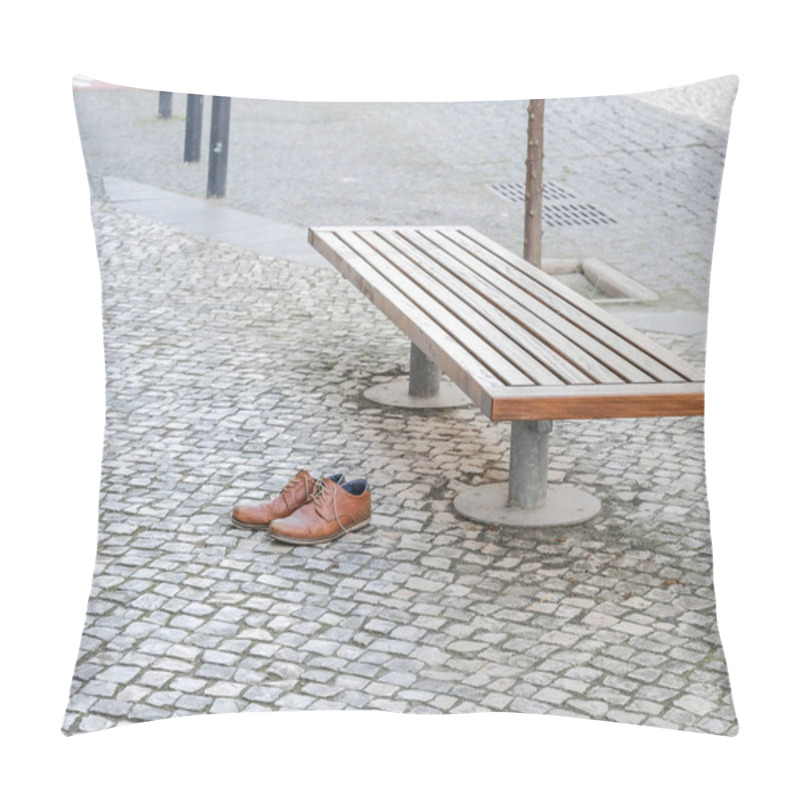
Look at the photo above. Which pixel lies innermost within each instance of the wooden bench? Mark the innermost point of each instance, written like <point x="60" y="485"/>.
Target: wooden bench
<point x="520" y="344"/>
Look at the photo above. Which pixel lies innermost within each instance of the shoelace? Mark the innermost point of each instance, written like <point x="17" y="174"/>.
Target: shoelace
<point x="294" y="482"/>
<point x="321" y="492"/>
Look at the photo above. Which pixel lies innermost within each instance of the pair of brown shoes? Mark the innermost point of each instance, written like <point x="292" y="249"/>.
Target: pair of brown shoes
<point x="309" y="511"/>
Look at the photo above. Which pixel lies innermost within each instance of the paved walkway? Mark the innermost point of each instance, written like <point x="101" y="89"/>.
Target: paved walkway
<point x="229" y="368"/>
<point x="654" y="172"/>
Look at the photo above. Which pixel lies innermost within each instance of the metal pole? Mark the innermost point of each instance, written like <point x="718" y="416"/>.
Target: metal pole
<point x="425" y="375"/>
<point x="218" y="146"/>
<point x="527" y="478"/>
<point x="532" y="249"/>
<point x="194" y="127"/>
<point x="165" y="105"/>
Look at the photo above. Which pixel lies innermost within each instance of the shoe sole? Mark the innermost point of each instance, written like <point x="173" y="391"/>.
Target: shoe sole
<point x="246" y="526"/>
<point x="289" y="540"/>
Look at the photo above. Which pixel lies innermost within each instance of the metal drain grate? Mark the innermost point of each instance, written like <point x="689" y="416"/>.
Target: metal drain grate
<point x="515" y="192"/>
<point x="554" y="191"/>
<point x="555" y="212"/>
<point x="558" y="216"/>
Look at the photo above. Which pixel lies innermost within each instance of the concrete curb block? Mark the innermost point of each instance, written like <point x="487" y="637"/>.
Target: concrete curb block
<point x="614" y="283"/>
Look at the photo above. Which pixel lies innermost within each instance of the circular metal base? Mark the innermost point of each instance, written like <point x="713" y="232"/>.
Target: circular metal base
<point x="395" y="393"/>
<point x="564" y="505"/>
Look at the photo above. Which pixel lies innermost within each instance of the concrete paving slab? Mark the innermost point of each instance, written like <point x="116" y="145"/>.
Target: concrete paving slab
<point x="215" y="220"/>
<point x="686" y="323"/>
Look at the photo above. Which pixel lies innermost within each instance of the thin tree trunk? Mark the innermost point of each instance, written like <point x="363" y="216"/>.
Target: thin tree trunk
<point x="532" y="248"/>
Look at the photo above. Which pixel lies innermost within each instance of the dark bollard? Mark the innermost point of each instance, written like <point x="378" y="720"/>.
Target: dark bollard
<point x="194" y="127"/>
<point x="218" y="146"/>
<point x="165" y="105"/>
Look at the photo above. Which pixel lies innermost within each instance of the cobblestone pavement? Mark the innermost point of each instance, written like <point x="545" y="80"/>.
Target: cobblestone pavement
<point x="227" y="372"/>
<point x="655" y="172"/>
<point x="707" y="100"/>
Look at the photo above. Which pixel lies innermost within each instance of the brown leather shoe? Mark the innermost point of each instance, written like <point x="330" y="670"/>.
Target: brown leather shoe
<point x="334" y="510"/>
<point x="257" y="516"/>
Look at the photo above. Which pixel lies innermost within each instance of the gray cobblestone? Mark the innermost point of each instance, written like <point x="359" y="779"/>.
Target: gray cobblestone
<point x="145" y="713"/>
<point x="94" y="723"/>
<point x="155" y="678"/>
<point x="527" y="706"/>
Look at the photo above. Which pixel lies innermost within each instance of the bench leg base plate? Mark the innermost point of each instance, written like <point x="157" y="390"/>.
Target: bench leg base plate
<point x="395" y="393"/>
<point x="564" y="505"/>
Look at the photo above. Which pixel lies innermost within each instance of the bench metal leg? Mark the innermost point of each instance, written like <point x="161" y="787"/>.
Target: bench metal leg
<point x="527" y="475"/>
<point x="425" y="378"/>
<point x="526" y="501"/>
<point x="423" y="389"/>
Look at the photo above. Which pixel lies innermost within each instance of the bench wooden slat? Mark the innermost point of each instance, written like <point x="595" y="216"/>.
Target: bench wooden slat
<point x="598" y="402"/>
<point x="657" y="361"/>
<point x="492" y="359"/>
<point x="467" y="372"/>
<point x="490" y="324"/>
<point x="416" y="249"/>
<point x="594" y="360"/>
